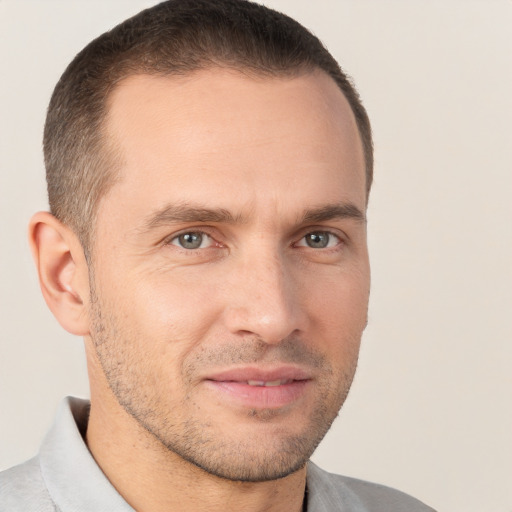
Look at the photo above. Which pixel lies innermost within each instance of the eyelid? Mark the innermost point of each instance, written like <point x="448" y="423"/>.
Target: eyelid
<point x="332" y="233"/>
<point x="206" y="231"/>
<point x="203" y="230"/>
<point x="205" y="238"/>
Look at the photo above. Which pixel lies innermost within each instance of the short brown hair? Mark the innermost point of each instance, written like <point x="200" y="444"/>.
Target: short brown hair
<point x="175" y="37"/>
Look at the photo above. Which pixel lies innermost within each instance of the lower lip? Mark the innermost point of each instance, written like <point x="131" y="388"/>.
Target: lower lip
<point x="260" y="397"/>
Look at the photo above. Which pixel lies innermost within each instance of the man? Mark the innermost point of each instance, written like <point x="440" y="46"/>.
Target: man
<point x="208" y="170"/>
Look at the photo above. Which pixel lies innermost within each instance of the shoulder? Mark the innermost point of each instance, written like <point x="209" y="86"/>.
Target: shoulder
<point x="22" y="489"/>
<point x="329" y="492"/>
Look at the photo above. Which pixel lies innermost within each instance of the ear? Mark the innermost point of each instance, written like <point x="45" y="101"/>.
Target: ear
<point x="63" y="271"/>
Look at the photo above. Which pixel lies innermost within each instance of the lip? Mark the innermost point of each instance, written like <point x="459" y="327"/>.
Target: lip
<point x="246" y="373"/>
<point x="233" y="386"/>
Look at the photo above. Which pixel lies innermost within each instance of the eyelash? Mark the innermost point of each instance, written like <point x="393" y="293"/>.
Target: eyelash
<point x="330" y="236"/>
<point x="213" y="242"/>
<point x="201" y="233"/>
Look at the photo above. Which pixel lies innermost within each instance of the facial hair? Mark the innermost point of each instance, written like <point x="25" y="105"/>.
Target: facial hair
<point x="180" y="425"/>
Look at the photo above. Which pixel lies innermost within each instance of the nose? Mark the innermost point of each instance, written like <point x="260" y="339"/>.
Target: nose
<point x="263" y="299"/>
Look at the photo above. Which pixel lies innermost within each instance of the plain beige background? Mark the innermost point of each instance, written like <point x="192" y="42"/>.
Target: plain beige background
<point x="431" y="407"/>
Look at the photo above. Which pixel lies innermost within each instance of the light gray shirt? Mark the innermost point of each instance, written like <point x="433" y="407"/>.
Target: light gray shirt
<point x="64" y="477"/>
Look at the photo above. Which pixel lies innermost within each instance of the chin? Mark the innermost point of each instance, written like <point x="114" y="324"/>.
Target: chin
<point x="262" y="469"/>
<point x="249" y="455"/>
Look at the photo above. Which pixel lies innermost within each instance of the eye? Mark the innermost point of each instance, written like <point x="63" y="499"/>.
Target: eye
<point x="192" y="240"/>
<point x="319" y="240"/>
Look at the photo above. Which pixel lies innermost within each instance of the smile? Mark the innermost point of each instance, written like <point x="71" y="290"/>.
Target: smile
<point x="257" y="388"/>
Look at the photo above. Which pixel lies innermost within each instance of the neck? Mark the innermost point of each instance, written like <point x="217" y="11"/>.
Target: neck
<point x="152" y="478"/>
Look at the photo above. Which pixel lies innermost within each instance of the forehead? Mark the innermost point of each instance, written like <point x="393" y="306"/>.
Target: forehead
<point x="199" y="135"/>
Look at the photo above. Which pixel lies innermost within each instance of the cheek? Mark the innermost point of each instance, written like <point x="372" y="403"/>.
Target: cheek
<point x="175" y="310"/>
<point x="339" y="314"/>
<point x="340" y="300"/>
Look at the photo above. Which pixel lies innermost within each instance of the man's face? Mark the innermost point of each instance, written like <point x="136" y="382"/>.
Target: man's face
<point x="231" y="275"/>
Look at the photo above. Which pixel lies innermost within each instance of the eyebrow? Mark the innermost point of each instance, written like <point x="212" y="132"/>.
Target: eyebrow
<point x="185" y="213"/>
<point x="172" y="214"/>
<point x="334" y="211"/>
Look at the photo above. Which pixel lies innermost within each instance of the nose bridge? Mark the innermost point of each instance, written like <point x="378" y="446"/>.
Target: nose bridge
<point x="263" y="301"/>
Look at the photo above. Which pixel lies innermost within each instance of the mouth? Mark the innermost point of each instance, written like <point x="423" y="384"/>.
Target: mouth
<point x="260" y="389"/>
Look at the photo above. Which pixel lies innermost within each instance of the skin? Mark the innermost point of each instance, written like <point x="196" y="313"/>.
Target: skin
<point x="261" y="172"/>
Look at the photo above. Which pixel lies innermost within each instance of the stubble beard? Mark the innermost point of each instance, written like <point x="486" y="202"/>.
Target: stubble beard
<point x="198" y="440"/>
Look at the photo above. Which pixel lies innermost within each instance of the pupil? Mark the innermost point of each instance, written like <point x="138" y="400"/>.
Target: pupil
<point x="191" y="240"/>
<point x="317" y="240"/>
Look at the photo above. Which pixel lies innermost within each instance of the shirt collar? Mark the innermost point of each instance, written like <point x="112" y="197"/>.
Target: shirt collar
<point x="74" y="480"/>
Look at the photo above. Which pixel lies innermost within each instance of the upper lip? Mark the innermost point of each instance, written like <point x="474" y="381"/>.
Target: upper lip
<point x="254" y="373"/>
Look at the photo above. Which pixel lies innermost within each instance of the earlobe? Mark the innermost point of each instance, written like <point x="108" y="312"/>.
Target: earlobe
<point x="62" y="271"/>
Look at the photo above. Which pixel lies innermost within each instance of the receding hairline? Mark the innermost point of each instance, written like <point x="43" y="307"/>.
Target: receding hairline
<point x="174" y="38"/>
<point x="109" y="142"/>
